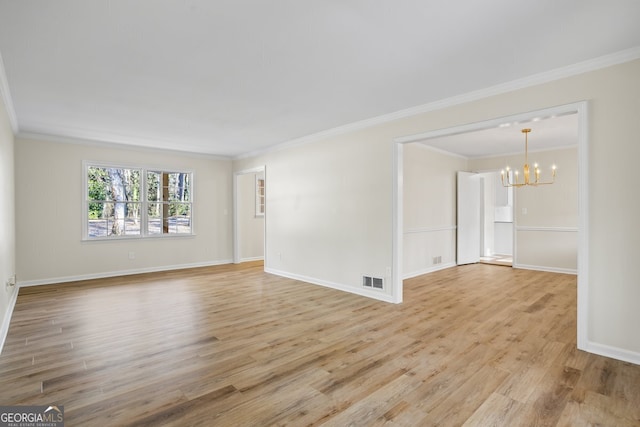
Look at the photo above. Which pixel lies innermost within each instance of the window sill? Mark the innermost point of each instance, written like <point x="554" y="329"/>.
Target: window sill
<point x="128" y="238"/>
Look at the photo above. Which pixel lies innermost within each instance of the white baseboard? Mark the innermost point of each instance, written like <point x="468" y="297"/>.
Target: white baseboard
<point x="547" y="269"/>
<point x="106" y="274"/>
<point x="591" y="347"/>
<point x="4" y="328"/>
<point x="612" y="352"/>
<point x="378" y="295"/>
<point x="255" y="258"/>
<point x="428" y="270"/>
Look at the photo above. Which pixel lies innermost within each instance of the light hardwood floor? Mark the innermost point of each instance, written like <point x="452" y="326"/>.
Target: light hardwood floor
<point x="475" y="345"/>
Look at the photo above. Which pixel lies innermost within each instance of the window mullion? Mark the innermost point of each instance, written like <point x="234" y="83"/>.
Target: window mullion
<point x="143" y="204"/>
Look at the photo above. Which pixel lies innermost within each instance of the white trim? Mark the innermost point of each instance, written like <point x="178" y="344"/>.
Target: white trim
<point x="397" y="215"/>
<point x="144" y="202"/>
<point x="514" y="233"/>
<point x="533" y="80"/>
<point x="554" y="229"/>
<point x="4" y="328"/>
<point x="428" y="270"/>
<point x="5" y="93"/>
<point x="441" y="151"/>
<point x="77" y="140"/>
<point x="430" y="229"/>
<point x="554" y="111"/>
<point x="61" y="133"/>
<point x="580" y="108"/>
<point x="583" y="226"/>
<point x="236" y="228"/>
<point x="257" y="197"/>
<point x="546" y="268"/>
<point x="256" y="169"/>
<point x="378" y="295"/>
<point x="255" y="258"/>
<point x="517" y="153"/>
<point x="613" y="352"/>
<point x="65" y="279"/>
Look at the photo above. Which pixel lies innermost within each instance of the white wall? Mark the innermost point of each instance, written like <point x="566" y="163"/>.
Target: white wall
<point x="545" y="217"/>
<point x="7" y="222"/>
<point x="327" y="206"/>
<point x="330" y="200"/>
<point x="250" y="226"/>
<point x="429" y="209"/>
<point x="503" y="239"/>
<point x="49" y="195"/>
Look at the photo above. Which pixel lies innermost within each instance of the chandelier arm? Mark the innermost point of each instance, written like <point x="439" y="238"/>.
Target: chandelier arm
<point x="543" y="183"/>
<point x="526" y="145"/>
<point x="527" y="178"/>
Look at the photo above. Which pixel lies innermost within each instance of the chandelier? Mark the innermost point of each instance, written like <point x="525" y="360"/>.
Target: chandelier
<point x="512" y="178"/>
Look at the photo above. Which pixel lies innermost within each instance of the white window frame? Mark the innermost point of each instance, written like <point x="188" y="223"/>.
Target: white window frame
<point x="144" y="202"/>
<point x="260" y="199"/>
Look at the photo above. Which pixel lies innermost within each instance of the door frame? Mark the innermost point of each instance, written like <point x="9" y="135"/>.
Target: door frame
<point x="513" y="216"/>
<point x="579" y="108"/>
<point x="462" y="251"/>
<point x="236" y="220"/>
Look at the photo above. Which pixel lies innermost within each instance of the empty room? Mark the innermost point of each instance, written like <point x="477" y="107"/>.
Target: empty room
<point x="319" y="213"/>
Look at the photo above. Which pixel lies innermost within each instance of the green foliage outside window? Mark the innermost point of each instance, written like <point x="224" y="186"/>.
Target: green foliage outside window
<point x="114" y="204"/>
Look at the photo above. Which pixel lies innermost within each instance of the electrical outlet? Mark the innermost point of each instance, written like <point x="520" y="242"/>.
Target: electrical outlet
<point x="11" y="282"/>
<point x="132" y="255"/>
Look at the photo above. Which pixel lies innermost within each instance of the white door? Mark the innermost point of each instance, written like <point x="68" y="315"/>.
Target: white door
<point x="468" y="230"/>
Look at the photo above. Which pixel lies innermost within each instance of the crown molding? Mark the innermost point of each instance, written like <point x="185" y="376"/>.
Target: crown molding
<point x="519" y="153"/>
<point x="42" y="131"/>
<point x="63" y="139"/>
<point x="77" y="134"/>
<point x="443" y="152"/>
<point x="5" y="93"/>
<point x="533" y="80"/>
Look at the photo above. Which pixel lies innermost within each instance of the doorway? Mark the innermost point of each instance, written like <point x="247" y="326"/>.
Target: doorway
<point x="484" y="219"/>
<point x="580" y="109"/>
<point x="497" y="227"/>
<point x="249" y="215"/>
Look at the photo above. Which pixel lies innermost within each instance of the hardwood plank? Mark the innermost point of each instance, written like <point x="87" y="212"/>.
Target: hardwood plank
<point x="474" y="345"/>
<point x="523" y="383"/>
<point x="462" y="402"/>
<point x="497" y="410"/>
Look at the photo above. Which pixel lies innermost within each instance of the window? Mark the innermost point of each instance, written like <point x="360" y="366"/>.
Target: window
<point x="259" y="195"/>
<point x="134" y="202"/>
<point x="169" y="202"/>
<point x="113" y="202"/>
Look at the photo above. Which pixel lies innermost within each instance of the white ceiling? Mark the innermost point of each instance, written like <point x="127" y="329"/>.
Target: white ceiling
<point x="235" y="76"/>
<point x="546" y="133"/>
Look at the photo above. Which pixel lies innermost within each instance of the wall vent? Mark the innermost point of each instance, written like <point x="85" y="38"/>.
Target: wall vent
<point x="372" y="282"/>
